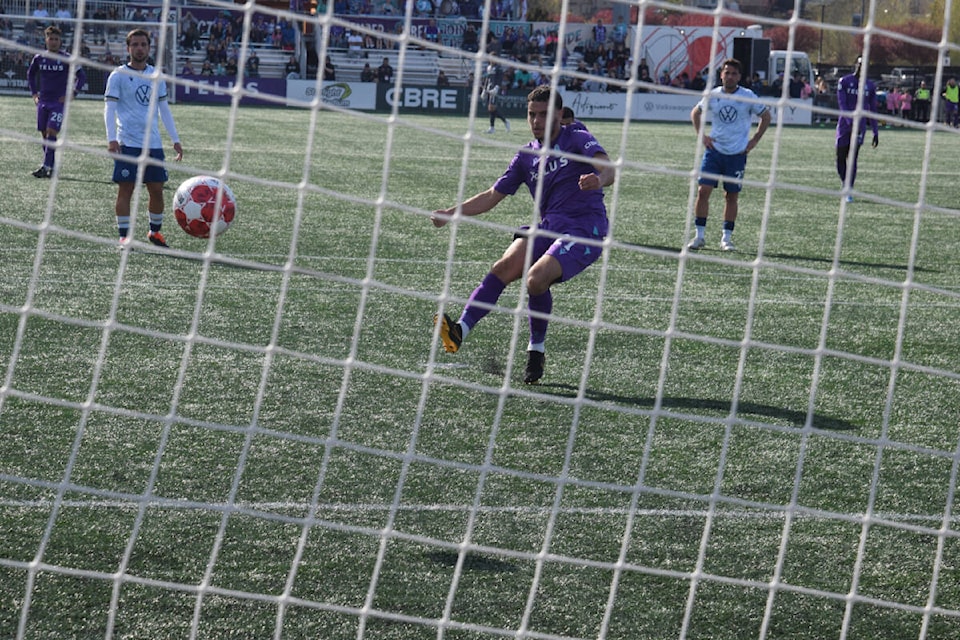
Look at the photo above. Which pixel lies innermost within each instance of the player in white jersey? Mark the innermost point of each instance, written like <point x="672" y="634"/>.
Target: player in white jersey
<point x="732" y="108"/>
<point x="132" y="126"/>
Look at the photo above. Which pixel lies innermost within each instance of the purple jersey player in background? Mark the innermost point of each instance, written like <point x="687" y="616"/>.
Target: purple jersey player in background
<point x="848" y="101"/>
<point x="571" y="206"/>
<point x="47" y="78"/>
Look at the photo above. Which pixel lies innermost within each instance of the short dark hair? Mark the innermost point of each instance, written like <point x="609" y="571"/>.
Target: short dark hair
<point x="544" y="93"/>
<point x="138" y="32"/>
<point x="567" y="112"/>
<point x="732" y="62"/>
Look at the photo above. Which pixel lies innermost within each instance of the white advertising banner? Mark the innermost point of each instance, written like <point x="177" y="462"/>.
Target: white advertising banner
<point x="360" y="96"/>
<point x="667" y="107"/>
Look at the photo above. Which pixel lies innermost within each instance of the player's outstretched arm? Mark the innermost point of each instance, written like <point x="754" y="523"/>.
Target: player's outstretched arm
<point x="480" y="203"/>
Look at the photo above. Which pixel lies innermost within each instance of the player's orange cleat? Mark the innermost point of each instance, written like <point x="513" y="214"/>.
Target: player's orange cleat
<point x="450" y="333"/>
<point x="156" y="238"/>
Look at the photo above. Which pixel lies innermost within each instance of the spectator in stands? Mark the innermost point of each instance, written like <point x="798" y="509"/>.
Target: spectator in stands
<point x="507" y="40"/>
<point x="600" y="33"/>
<point x="575" y="83"/>
<point x="470" y="41"/>
<point x="354" y="43"/>
<point x="951" y="103"/>
<point x="423" y="8"/>
<point x="795" y="87"/>
<point x="206" y="69"/>
<point x="619" y="32"/>
<point x="190" y="40"/>
<point x="253" y="64"/>
<point x="921" y="97"/>
<point x="776" y="87"/>
<point x="431" y="33"/>
<point x="521" y="79"/>
<point x="188" y="69"/>
<point x="367" y="74"/>
<point x="99" y="14"/>
<point x="288" y="36"/>
<point x="906" y="104"/>
<point x="621" y="59"/>
<point x="385" y="72"/>
<point x="385" y="8"/>
<point x="643" y="69"/>
<point x="6" y="28"/>
<point x="41" y="13"/>
<point x="212" y="51"/>
<point x="821" y="91"/>
<point x="329" y="71"/>
<point x="370" y="41"/>
<point x="63" y="17"/>
<point x="292" y="69"/>
<point x="259" y="31"/>
<point x="442" y="80"/>
<point x="230" y="68"/>
<point x="40" y="18"/>
<point x="470" y="9"/>
<point x="645" y="78"/>
<point x="550" y="46"/>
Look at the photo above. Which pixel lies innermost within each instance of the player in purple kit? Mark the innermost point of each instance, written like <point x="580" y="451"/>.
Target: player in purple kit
<point x="848" y="101"/>
<point x="47" y="78"/>
<point x="571" y="206"/>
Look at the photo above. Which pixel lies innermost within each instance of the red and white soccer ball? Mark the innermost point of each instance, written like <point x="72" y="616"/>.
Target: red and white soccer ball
<point x="195" y="206"/>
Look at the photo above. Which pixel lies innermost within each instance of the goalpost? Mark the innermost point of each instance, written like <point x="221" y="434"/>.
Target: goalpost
<point x="259" y="440"/>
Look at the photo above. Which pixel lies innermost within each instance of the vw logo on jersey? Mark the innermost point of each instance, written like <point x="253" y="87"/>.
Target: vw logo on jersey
<point x="727" y="113"/>
<point x="143" y="94"/>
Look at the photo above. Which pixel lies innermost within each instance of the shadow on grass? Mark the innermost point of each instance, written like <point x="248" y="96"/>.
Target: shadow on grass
<point x="847" y="263"/>
<point x="473" y="562"/>
<point x="798" y="258"/>
<point x="797" y="418"/>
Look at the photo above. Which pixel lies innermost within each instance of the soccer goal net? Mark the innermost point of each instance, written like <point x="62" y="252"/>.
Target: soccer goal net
<point x="265" y="434"/>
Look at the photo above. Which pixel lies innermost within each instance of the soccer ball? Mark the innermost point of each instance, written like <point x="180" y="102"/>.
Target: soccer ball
<point x="195" y="206"/>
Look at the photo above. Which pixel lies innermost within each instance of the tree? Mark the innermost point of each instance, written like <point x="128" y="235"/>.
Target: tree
<point x="806" y="38"/>
<point x="937" y="12"/>
<point x="895" y="51"/>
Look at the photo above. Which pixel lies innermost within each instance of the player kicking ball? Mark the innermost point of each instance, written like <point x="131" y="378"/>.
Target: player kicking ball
<point x="571" y="206"/>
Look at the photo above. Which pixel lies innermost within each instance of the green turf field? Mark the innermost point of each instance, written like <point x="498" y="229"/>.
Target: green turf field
<point x="263" y="439"/>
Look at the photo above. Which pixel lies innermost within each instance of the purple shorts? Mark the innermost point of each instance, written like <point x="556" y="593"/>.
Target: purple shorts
<point x="573" y="256"/>
<point x="49" y="115"/>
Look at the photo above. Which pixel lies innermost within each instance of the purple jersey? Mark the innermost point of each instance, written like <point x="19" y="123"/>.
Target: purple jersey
<point x="563" y="203"/>
<point x="48" y="77"/>
<point x="848" y="90"/>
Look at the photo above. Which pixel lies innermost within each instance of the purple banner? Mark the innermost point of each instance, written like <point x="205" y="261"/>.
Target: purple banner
<point x="216" y="90"/>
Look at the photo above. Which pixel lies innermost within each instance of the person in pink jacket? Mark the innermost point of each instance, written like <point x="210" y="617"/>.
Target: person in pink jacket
<point x="906" y="104"/>
<point x="893" y="102"/>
